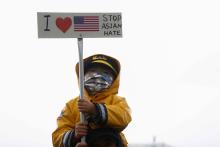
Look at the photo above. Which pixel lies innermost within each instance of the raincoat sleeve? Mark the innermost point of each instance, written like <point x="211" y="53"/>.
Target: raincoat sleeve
<point x="115" y="114"/>
<point x="63" y="136"/>
<point x="119" y="114"/>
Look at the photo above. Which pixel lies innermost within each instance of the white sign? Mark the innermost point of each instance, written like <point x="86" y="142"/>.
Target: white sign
<point x="79" y="25"/>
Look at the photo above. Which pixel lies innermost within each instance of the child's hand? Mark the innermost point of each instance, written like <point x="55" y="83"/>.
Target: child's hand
<point x="85" y="106"/>
<point x="81" y="129"/>
<point x="81" y="144"/>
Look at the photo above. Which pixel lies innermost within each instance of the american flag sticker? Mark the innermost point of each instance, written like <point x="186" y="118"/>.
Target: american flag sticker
<point x="86" y="23"/>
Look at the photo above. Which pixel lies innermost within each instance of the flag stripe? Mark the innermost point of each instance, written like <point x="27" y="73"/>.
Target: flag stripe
<point x="86" y="25"/>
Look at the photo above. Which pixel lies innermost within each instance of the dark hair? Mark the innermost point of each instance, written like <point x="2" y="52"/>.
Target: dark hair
<point x="103" y="141"/>
<point x="104" y="137"/>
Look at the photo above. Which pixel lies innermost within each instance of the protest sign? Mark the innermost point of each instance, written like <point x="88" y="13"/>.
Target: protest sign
<point x="79" y="25"/>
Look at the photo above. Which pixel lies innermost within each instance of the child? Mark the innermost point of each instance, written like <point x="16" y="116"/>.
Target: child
<point x="101" y="104"/>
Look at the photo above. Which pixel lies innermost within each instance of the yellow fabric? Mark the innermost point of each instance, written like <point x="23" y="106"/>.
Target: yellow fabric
<point x="119" y="115"/>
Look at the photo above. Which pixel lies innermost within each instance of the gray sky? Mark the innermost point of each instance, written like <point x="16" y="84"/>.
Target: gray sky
<point x="170" y="70"/>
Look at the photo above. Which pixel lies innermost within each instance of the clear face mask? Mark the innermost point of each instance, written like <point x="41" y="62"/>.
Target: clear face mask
<point x="96" y="82"/>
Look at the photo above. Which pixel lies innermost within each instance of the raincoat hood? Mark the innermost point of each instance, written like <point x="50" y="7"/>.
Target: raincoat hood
<point x="100" y="60"/>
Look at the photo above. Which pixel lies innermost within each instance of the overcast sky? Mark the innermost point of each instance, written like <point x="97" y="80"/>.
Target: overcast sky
<point x="170" y="57"/>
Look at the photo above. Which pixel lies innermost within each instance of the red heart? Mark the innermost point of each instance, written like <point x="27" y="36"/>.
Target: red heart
<point x="63" y="24"/>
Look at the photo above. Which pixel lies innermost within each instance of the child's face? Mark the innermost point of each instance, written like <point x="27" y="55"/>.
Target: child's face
<point x="97" y="80"/>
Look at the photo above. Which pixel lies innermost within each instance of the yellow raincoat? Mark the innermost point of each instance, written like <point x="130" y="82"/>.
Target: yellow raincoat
<point x="118" y="113"/>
